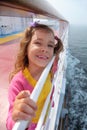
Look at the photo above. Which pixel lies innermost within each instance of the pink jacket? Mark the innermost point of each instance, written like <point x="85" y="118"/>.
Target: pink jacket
<point x="17" y="84"/>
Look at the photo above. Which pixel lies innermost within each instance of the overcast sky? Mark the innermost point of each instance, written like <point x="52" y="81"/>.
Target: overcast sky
<point x="75" y="11"/>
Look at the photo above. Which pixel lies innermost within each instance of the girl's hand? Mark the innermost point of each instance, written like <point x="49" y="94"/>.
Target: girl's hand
<point x="24" y="108"/>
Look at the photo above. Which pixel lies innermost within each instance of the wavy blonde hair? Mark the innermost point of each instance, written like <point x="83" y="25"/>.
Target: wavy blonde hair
<point x="22" y="58"/>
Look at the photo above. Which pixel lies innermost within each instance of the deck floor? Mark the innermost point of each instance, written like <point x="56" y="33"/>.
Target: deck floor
<point x="8" y="51"/>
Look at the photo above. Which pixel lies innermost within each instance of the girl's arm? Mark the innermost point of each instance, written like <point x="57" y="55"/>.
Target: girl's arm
<point x="20" y="105"/>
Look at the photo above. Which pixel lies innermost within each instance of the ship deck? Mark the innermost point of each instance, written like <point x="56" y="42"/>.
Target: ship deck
<point x="8" y="49"/>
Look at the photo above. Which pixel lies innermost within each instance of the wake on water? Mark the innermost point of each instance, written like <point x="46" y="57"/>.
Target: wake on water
<point x="76" y="91"/>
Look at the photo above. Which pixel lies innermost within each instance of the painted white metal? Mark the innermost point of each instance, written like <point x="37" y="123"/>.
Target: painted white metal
<point x="58" y="97"/>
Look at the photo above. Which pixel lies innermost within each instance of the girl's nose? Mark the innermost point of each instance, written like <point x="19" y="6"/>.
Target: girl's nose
<point x="44" y="49"/>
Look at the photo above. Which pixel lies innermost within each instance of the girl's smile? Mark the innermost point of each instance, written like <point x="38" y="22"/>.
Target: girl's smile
<point x="42" y="57"/>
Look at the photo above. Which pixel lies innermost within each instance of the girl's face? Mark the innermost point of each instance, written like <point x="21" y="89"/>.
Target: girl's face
<point x="41" y="48"/>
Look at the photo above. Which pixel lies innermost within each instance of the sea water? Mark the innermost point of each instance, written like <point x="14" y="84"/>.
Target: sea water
<point x="76" y="91"/>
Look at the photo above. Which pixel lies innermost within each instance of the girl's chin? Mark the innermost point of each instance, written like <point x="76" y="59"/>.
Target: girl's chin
<point x="42" y="65"/>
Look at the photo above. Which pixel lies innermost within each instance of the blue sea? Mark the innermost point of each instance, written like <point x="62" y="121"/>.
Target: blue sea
<point x="76" y="90"/>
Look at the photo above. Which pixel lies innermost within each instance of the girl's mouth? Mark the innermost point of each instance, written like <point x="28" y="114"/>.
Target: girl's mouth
<point x="42" y="57"/>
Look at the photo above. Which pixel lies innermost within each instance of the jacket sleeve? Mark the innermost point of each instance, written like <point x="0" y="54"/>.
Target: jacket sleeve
<point x="14" y="88"/>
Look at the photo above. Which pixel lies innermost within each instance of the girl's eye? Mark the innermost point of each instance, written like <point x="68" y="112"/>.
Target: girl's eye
<point x="38" y="43"/>
<point x="51" y="46"/>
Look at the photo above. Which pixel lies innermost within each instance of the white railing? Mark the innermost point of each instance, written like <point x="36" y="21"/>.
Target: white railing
<point x="53" y="118"/>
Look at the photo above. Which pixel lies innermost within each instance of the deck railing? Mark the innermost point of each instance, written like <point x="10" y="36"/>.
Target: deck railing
<point x="53" y="112"/>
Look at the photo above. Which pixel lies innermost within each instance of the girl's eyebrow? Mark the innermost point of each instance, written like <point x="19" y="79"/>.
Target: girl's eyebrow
<point x="39" y="39"/>
<point x="42" y="40"/>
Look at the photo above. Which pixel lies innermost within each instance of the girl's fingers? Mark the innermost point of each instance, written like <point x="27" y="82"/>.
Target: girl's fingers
<point x="29" y="102"/>
<point x="24" y="97"/>
<point x="18" y="115"/>
<point x="23" y="94"/>
<point x="23" y="107"/>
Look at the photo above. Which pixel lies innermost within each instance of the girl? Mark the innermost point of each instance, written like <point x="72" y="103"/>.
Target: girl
<point x="36" y="50"/>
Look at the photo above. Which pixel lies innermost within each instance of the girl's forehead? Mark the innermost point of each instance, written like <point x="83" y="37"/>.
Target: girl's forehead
<point x="43" y="36"/>
<point x="41" y="32"/>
